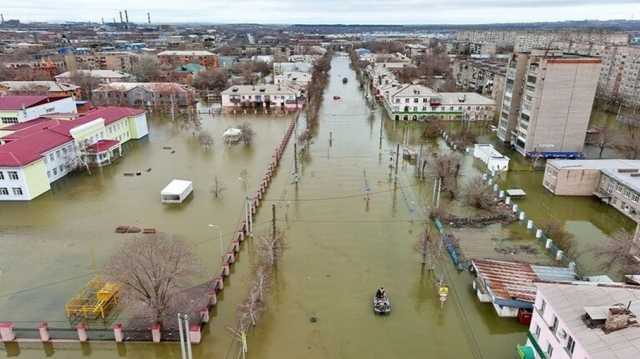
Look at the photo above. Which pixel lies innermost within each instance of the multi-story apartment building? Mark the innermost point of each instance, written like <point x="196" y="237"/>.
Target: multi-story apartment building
<point x="620" y="74"/>
<point x="262" y="97"/>
<point x="574" y="320"/>
<point x="482" y="76"/>
<point x="18" y="109"/>
<point x="417" y="103"/>
<point x="177" y="58"/>
<point x="101" y="76"/>
<point x="144" y="94"/>
<point x="122" y="61"/>
<point x="36" y="153"/>
<point x="528" y="40"/>
<point x="556" y="96"/>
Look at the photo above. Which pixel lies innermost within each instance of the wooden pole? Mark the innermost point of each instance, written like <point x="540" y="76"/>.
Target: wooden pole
<point x="295" y="157"/>
<point x="381" y="124"/>
<point x="273" y="221"/>
<point x="397" y="158"/>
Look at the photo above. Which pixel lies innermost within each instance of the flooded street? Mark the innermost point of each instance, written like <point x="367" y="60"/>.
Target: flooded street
<point x="340" y="246"/>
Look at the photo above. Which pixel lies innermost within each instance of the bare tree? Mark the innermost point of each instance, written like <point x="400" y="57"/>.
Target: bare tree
<point x="212" y="80"/>
<point x="605" y="136"/>
<point x="433" y="128"/>
<point x="479" y="194"/>
<point x="447" y="168"/>
<point x="247" y="134"/>
<point x="147" y="69"/>
<point x="205" y="140"/>
<point x="629" y="142"/>
<point x="555" y="230"/>
<point x="152" y="271"/>
<point x="86" y="81"/>
<point x="218" y="188"/>
<point x="271" y="248"/>
<point x="621" y="251"/>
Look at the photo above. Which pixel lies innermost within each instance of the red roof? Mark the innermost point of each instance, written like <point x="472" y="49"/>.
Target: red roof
<point x="102" y="146"/>
<point x="18" y="102"/>
<point x="32" y="138"/>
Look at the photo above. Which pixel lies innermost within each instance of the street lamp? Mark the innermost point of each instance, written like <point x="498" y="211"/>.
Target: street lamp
<point x="219" y="239"/>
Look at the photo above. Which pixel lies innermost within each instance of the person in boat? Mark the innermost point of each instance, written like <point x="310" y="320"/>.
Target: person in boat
<point x="381" y="293"/>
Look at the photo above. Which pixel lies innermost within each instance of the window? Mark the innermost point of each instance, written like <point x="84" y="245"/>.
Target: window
<point x="51" y="157"/>
<point x="9" y="120"/>
<point x="549" y="350"/>
<point x="543" y="306"/>
<point x="13" y="175"/>
<point x="571" y="345"/>
<point x="61" y="168"/>
<point x="4" y="191"/>
<point x="537" y="331"/>
<point x="554" y="326"/>
<point x="1" y="175"/>
<point x="58" y="154"/>
<point x="17" y="191"/>
<point x="49" y="174"/>
<point x="55" y="171"/>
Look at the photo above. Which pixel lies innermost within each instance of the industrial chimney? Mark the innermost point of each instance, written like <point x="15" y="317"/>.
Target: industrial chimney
<point x="149" y="18"/>
<point x="121" y="17"/>
<point x="126" y="16"/>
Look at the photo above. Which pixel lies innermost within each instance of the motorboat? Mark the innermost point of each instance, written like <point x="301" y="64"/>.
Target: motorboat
<point x="381" y="305"/>
<point x="336" y="97"/>
<point x="345" y="80"/>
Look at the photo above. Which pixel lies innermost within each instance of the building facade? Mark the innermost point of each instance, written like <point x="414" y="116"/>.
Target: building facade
<point x="18" y="109"/>
<point x="553" y="113"/>
<point x="262" y="97"/>
<point x="144" y="94"/>
<point x="36" y="153"/>
<point x="569" y="322"/>
<point x="620" y="74"/>
<point x="48" y="88"/>
<point x="177" y="58"/>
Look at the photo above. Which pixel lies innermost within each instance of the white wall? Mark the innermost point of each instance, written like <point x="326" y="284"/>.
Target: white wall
<point x="66" y="105"/>
<point x="60" y="160"/>
<point x="8" y="183"/>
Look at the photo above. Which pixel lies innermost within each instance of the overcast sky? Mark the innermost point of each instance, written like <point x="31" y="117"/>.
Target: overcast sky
<point x="324" y="11"/>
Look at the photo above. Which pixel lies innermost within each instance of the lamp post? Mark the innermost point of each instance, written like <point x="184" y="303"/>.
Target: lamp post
<point x="219" y="240"/>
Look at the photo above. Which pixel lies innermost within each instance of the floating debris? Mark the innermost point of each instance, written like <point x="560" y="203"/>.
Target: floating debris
<point x="174" y="151"/>
<point x="138" y="173"/>
<point x="149" y="231"/>
<point x="133" y="229"/>
<point x="313" y="319"/>
<point x="148" y="169"/>
<point x="167" y="147"/>
<point x="122" y="229"/>
<point x="128" y="174"/>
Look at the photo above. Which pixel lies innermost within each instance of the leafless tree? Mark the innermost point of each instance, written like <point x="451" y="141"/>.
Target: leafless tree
<point x="555" y="230"/>
<point x="629" y="141"/>
<point x="429" y="247"/>
<point x="212" y="80"/>
<point x="205" y="140"/>
<point x="605" y="136"/>
<point x="433" y="128"/>
<point x="247" y="134"/>
<point x="447" y="167"/>
<point x="479" y="194"/>
<point x="152" y="271"/>
<point x="147" y="69"/>
<point x="218" y="188"/>
<point x="86" y="81"/>
<point x="621" y="251"/>
<point x="271" y="248"/>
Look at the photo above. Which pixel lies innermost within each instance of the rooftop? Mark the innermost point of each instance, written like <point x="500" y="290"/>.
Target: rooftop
<point x="27" y="141"/>
<point x="594" y="164"/>
<point x="569" y="302"/>
<point x="258" y="89"/>
<point x="515" y="280"/>
<point x="95" y="73"/>
<point x="185" y="53"/>
<point x="8" y="103"/>
<point x="31" y="85"/>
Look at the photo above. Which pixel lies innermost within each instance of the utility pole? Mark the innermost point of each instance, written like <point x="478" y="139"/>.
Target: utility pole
<point x="381" y="124"/>
<point x="295" y="159"/>
<point x="330" y="139"/>
<point x="273" y="221"/>
<point x="397" y="159"/>
<point x="185" y="342"/>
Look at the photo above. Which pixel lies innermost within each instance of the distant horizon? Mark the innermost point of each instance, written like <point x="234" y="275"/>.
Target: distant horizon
<point x="325" y="12"/>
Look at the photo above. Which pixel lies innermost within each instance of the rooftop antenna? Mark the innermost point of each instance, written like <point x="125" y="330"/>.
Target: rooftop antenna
<point x="149" y="18"/>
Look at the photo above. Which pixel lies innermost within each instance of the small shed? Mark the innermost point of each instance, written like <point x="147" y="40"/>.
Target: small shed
<point x="176" y="191"/>
<point x="494" y="160"/>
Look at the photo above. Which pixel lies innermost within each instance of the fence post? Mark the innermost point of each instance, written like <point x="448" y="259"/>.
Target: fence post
<point x="522" y="216"/>
<point x="156" y="335"/>
<point x="529" y="224"/>
<point x="82" y="332"/>
<point x="195" y="333"/>
<point x="515" y="208"/>
<point x="507" y="200"/>
<point x="43" y="328"/>
<point x="204" y="315"/>
<point x="117" y="333"/>
<point x="213" y="297"/>
<point x="559" y="254"/>
<point x="547" y="244"/>
<point x="6" y="332"/>
<point x="538" y="233"/>
<point x="501" y="195"/>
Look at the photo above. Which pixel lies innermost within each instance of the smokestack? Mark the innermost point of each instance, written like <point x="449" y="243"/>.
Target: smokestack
<point x="1" y="18"/>
<point x="126" y="16"/>
<point x="121" y="17"/>
<point x="114" y="20"/>
<point x="149" y="18"/>
<point x="102" y="20"/>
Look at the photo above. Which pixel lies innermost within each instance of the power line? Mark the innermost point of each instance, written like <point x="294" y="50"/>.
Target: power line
<point x="337" y="197"/>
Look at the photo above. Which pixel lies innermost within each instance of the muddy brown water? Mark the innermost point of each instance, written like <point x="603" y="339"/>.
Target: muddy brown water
<point x="339" y="248"/>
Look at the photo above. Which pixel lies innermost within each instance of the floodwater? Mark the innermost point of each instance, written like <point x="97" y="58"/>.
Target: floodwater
<point x="340" y="246"/>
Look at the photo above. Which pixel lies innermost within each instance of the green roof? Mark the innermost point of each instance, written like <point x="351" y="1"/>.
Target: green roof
<point x="191" y="68"/>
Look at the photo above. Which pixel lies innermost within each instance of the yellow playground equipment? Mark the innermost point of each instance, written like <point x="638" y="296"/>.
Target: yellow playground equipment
<point x="95" y="301"/>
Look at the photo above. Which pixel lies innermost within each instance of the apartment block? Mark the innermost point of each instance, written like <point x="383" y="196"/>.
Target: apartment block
<point x="176" y="58"/>
<point x="620" y="75"/>
<point x="556" y="97"/>
<point x="584" y="320"/>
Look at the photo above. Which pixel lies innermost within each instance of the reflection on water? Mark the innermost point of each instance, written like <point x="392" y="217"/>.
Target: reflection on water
<point x="341" y="247"/>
